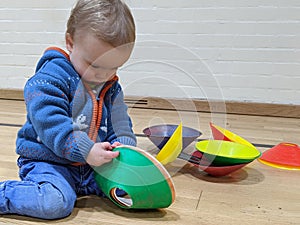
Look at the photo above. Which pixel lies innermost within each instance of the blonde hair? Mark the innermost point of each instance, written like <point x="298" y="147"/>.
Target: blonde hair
<point x="109" y="20"/>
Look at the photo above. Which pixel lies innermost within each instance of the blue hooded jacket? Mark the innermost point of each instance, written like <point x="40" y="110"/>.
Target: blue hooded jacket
<point x="65" y="116"/>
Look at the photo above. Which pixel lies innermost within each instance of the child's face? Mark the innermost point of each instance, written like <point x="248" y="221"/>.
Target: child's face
<point x="95" y="60"/>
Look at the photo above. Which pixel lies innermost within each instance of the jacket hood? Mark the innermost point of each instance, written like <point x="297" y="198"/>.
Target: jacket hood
<point x="51" y="53"/>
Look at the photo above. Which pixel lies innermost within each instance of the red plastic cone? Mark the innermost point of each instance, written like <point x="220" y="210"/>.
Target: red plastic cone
<point x="283" y="155"/>
<point x="218" y="134"/>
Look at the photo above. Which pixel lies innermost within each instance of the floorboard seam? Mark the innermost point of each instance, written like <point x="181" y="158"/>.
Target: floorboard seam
<point x="200" y="195"/>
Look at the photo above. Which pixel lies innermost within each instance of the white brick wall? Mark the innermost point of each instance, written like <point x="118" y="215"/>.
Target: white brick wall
<point x="27" y="27"/>
<point x="228" y="49"/>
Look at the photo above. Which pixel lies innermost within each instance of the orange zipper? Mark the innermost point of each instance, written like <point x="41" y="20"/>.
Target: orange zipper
<point x="97" y="108"/>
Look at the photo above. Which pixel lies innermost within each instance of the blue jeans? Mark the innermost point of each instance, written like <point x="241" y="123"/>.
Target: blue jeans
<point x="46" y="190"/>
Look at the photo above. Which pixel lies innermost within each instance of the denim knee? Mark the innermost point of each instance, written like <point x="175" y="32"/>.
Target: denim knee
<point x="54" y="204"/>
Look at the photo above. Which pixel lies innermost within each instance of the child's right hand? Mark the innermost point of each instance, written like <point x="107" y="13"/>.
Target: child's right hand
<point x="101" y="153"/>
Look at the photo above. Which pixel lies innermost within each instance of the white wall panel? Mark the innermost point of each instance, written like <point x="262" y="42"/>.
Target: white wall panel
<point x="235" y="50"/>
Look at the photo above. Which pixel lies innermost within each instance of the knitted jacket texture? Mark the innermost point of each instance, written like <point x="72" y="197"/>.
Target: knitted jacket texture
<point x="65" y="116"/>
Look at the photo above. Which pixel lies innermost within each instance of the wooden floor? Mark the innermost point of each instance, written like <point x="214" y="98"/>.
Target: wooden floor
<point x="256" y="194"/>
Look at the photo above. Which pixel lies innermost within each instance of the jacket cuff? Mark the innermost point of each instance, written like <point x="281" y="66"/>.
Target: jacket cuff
<point x="84" y="144"/>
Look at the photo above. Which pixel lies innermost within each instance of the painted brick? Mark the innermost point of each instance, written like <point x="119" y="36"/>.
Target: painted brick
<point x="226" y="49"/>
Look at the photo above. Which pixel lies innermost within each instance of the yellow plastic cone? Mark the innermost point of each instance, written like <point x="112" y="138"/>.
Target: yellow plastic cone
<point x="172" y="148"/>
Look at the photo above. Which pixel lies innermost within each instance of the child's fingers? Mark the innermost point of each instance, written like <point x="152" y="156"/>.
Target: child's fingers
<point x="107" y="146"/>
<point x="115" y="144"/>
<point x="110" y="154"/>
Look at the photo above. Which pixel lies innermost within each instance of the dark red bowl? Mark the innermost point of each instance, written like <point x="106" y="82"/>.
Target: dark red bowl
<point x="215" y="170"/>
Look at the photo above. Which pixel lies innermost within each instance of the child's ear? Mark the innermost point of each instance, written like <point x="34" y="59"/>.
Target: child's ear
<point x="69" y="42"/>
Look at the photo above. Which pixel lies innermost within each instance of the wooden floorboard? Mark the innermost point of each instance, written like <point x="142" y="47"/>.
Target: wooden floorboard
<point x="256" y="194"/>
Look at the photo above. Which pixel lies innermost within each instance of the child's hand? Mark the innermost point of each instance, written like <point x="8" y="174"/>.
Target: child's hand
<point x="101" y="153"/>
<point x="115" y="144"/>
